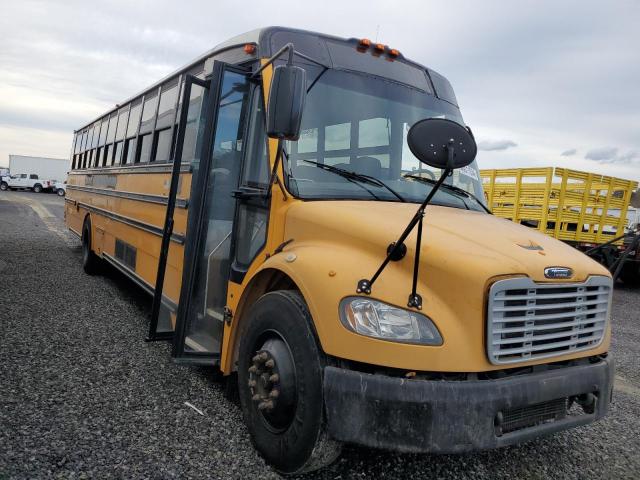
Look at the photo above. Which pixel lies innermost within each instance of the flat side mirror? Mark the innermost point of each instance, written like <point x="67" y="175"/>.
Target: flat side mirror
<point x="286" y="102"/>
<point x="442" y="143"/>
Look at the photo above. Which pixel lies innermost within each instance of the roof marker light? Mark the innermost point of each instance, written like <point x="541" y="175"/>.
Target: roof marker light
<point x="393" y="52"/>
<point x="249" y="49"/>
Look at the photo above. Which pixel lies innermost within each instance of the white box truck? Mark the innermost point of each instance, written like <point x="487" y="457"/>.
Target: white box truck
<point x="46" y="168"/>
<point x="34" y="173"/>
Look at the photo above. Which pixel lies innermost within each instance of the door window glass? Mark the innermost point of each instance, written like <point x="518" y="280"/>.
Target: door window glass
<point x="256" y="168"/>
<point x="212" y="264"/>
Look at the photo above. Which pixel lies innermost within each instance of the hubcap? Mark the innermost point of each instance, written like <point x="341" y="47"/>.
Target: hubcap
<point x="272" y="382"/>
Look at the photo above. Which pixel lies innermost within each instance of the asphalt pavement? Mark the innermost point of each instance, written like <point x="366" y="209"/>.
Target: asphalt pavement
<point x="83" y="396"/>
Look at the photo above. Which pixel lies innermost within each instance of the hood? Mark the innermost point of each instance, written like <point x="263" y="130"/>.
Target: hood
<point x="453" y="240"/>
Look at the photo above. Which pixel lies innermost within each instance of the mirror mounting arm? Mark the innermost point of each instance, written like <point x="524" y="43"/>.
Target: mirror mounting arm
<point x="365" y="285"/>
<point x="274" y="178"/>
<point x="290" y="49"/>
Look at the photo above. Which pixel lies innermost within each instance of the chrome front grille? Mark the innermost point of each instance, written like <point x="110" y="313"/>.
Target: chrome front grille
<point x="528" y="320"/>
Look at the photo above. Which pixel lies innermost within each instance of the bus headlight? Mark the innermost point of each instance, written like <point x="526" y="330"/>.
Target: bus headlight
<point x="379" y="320"/>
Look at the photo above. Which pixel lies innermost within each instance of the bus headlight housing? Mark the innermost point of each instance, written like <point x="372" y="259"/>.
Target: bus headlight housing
<point x="376" y="319"/>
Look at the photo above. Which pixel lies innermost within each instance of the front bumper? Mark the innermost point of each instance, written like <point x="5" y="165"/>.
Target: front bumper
<point x="411" y="415"/>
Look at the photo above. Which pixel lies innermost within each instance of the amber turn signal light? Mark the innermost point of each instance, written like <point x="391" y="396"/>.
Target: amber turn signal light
<point x="249" y="49"/>
<point x="364" y="43"/>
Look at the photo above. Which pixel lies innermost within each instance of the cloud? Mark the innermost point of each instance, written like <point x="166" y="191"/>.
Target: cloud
<point x="568" y="153"/>
<point x="629" y="157"/>
<point x="610" y="155"/>
<point x="496" y="145"/>
<point x="601" y="154"/>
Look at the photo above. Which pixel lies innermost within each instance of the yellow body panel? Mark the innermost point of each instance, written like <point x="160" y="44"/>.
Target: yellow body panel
<point x="337" y="243"/>
<point x="103" y="186"/>
<point x="566" y="204"/>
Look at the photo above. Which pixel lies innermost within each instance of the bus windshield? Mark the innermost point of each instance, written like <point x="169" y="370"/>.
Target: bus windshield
<point x="359" y="123"/>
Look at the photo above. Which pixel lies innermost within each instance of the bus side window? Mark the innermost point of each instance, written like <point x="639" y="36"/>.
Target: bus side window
<point x="252" y="218"/>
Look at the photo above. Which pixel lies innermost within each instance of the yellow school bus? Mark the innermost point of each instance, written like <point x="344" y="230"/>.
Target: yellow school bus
<point x="308" y="215"/>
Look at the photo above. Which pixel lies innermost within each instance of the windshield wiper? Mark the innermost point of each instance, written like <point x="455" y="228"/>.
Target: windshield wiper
<point x="360" y="177"/>
<point x="451" y="188"/>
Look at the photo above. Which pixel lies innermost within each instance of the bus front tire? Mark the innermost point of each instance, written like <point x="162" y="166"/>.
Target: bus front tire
<point x="280" y="367"/>
<point x="90" y="261"/>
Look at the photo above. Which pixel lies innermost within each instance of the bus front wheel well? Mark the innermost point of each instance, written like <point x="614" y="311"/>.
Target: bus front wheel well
<point x="268" y="280"/>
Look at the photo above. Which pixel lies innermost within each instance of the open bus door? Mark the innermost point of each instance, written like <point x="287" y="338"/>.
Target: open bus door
<point x="212" y="208"/>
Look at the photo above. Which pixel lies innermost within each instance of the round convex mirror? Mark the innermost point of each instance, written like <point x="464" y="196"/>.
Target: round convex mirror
<point x="431" y="139"/>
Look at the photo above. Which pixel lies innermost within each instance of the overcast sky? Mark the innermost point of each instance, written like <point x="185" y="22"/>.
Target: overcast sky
<point x="542" y="83"/>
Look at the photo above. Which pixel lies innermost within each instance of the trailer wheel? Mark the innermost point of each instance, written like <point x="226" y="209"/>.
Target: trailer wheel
<point x="37" y="188"/>
<point x="630" y="274"/>
<point x="4" y="186"/>
<point x="90" y="261"/>
<point x="280" y="370"/>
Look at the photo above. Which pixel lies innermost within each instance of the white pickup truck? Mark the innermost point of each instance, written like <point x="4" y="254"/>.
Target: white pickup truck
<point x="26" y="181"/>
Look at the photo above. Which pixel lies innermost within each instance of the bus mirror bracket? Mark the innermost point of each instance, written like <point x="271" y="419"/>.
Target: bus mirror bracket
<point x="442" y="144"/>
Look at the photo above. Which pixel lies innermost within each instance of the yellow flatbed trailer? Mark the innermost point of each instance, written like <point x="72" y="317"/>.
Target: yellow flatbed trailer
<point x="586" y="210"/>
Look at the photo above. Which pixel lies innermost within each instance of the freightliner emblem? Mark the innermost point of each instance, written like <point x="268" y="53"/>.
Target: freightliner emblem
<point x="558" y="272"/>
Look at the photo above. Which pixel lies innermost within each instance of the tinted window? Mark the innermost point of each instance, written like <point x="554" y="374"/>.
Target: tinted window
<point x="122" y="122"/>
<point x="130" y="151"/>
<point x="105" y="157"/>
<point x="163" y="147"/>
<point x="444" y="90"/>
<point x="256" y="168"/>
<point x="347" y="57"/>
<point x="134" y="120"/>
<point x="117" y="154"/>
<point x="95" y="135"/>
<point x="166" y="109"/>
<point x="252" y="233"/>
<point x="112" y="127"/>
<point x="83" y="141"/>
<point x="148" y="114"/>
<point x="89" y="142"/>
<point x="103" y="131"/>
<point x="145" y="148"/>
<point x="76" y="142"/>
<point x="33" y="177"/>
<point x="337" y="137"/>
<point x="193" y="129"/>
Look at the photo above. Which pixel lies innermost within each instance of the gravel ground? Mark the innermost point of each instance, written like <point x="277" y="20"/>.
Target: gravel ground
<point x="83" y="396"/>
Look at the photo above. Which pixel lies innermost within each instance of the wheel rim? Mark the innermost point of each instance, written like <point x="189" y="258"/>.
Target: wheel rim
<point x="273" y="383"/>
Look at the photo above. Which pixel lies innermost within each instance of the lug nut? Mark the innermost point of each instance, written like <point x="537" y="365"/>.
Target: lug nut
<point x="252" y="383"/>
<point x="274" y="378"/>
<point x="270" y="364"/>
<point x="256" y="397"/>
<point x="260" y="357"/>
<point x="274" y="393"/>
<point x="253" y="369"/>
<point x="266" y="405"/>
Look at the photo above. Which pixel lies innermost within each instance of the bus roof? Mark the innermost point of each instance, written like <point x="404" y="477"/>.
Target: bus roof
<point x="327" y="49"/>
